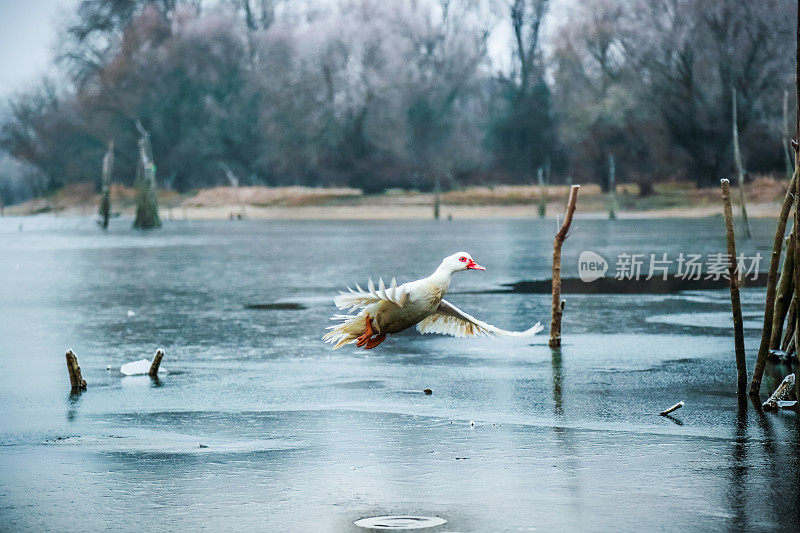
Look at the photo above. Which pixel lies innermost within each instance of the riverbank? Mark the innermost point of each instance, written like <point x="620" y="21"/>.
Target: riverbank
<point x="671" y="200"/>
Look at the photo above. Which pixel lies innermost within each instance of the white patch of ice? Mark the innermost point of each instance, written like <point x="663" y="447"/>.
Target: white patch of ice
<point x="135" y="368"/>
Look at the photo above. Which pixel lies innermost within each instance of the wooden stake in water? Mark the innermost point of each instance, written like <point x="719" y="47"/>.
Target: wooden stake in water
<point x="785" y="135"/>
<point x="558" y="304"/>
<point x="76" y="380"/>
<point x="787" y="344"/>
<point x="542" y="193"/>
<point x="234" y="181"/>
<point x="156" y="363"/>
<point x="737" y="159"/>
<point x="733" y="274"/>
<point x="783" y="296"/>
<point x="437" y="193"/>
<point x="105" y="185"/>
<point x="772" y="279"/>
<point x="612" y="188"/>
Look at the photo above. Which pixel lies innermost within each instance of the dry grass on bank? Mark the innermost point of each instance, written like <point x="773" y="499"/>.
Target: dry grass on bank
<point x="268" y="196"/>
<point x="671" y="199"/>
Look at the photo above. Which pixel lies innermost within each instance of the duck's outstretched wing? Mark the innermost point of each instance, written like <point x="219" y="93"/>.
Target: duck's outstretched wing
<point x="450" y="320"/>
<point x="359" y="298"/>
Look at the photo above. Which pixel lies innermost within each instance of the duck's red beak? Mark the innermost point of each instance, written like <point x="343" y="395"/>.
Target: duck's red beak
<point x="472" y="265"/>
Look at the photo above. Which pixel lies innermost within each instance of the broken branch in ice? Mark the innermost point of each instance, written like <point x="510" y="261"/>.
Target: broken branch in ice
<point x="783" y="389"/>
<point x="671" y="409"/>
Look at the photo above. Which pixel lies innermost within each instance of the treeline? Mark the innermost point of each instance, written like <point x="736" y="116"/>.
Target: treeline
<point x="408" y="93"/>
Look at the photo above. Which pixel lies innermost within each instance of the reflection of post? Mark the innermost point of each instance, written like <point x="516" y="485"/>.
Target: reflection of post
<point x="739" y="469"/>
<point x="612" y="188"/>
<point x="556" y="364"/>
<point x="558" y="304"/>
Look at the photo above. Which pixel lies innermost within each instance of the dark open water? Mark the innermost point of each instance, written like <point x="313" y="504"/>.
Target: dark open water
<point x="299" y="438"/>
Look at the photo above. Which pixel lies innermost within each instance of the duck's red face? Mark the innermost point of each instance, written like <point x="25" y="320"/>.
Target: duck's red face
<point x="471" y="265"/>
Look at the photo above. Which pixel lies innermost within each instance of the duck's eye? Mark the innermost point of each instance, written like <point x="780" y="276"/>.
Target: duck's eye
<point x="462" y="258"/>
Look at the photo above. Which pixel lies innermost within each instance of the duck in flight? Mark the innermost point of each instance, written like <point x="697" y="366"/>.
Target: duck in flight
<point x="387" y="310"/>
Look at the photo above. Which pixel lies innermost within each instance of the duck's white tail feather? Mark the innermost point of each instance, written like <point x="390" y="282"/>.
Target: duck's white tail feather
<point x="359" y="298"/>
<point x="346" y="332"/>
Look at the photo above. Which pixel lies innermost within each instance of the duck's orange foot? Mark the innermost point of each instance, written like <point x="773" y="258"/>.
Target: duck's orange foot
<point x="374" y="341"/>
<point x="363" y="339"/>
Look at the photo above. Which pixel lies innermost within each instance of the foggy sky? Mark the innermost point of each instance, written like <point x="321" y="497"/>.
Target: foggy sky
<point x="28" y="31"/>
<point x="27" y="35"/>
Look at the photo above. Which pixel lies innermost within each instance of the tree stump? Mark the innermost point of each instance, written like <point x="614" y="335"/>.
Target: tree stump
<point x="156" y="363"/>
<point x="146" y="190"/>
<point x="75" y="378"/>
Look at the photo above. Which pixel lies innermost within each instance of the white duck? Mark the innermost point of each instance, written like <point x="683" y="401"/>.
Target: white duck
<point x="391" y="310"/>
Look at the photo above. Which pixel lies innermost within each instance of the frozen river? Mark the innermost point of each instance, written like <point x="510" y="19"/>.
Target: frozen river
<point x="256" y="424"/>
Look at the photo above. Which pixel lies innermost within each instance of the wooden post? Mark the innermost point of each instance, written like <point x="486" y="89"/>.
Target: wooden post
<point x="791" y="323"/>
<point x="737" y="159"/>
<point x="146" y="189"/>
<point x="785" y="135"/>
<point x="105" y="185"/>
<point x="234" y="181"/>
<point x="542" y="193"/>
<point x="612" y="188"/>
<point x="795" y="251"/>
<point x="547" y="170"/>
<point x="437" y="193"/>
<point x="733" y="274"/>
<point x="156" y="363"/>
<point x="766" y="334"/>
<point x="76" y="380"/>
<point x="795" y="235"/>
<point x="558" y="304"/>
<point x="772" y="275"/>
<point x="784" y="295"/>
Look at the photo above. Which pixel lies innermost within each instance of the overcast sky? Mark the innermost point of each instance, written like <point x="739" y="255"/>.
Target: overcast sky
<point x="27" y="35"/>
